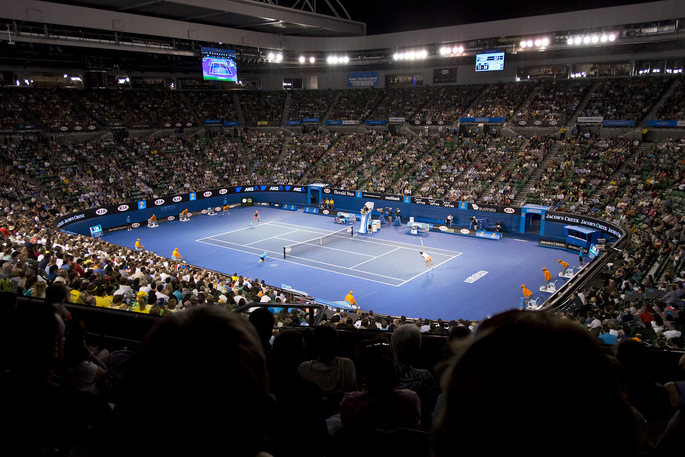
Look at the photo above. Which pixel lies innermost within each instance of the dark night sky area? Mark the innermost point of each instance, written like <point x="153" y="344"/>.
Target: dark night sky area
<point x="386" y="16"/>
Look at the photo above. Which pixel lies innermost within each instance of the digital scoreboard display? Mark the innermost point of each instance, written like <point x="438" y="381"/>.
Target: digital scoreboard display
<point x="219" y="65"/>
<point x="490" y="61"/>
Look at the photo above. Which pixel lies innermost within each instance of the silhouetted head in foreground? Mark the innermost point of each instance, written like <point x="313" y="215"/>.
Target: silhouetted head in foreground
<point x="534" y="384"/>
<point x="197" y="386"/>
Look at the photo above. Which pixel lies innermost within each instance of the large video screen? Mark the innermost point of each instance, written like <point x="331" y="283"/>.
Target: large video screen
<point x="490" y="61"/>
<point x="219" y="65"/>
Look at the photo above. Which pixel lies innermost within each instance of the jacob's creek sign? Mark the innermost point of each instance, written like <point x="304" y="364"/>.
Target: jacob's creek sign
<point x="585" y="221"/>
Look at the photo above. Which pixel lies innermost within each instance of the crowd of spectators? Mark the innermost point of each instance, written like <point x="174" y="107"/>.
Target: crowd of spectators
<point x="355" y="104"/>
<point x="310" y="103"/>
<point x="262" y="106"/>
<point x="673" y="108"/>
<point x="212" y="104"/>
<point x="626" y="98"/>
<point x="401" y="102"/>
<point x="501" y="100"/>
<point x="580" y="168"/>
<point x="553" y="101"/>
<point x="447" y="104"/>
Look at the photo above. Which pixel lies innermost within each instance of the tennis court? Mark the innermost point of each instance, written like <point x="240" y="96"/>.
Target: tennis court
<point x="386" y="262"/>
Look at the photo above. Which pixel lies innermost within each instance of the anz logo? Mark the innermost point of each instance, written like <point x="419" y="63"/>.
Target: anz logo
<point x="207" y="194"/>
<point x="159" y="201"/>
<point x="275" y="188"/>
<point x="249" y="189"/>
<point x="123" y="208"/>
<point x="177" y="199"/>
<point x="101" y="211"/>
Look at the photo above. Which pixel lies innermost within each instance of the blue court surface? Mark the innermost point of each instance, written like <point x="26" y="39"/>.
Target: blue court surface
<point x="471" y="278"/>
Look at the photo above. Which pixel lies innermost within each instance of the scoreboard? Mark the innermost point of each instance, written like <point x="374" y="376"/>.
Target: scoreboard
<point x="490" y="61"/>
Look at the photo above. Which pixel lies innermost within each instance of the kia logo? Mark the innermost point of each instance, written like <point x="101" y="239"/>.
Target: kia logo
<point x="64" y="129"/>
<point x="509" y="210"/>
<point x="218" y="208"/>
<point x="223" y="191"/>
<point x="101" y="211"/>
<point x="123" y="208"/>
<point x="78" y="127"/>
<point x="327" y="191"/>
<point x="159" y="202"/>
<point x="177" y="199"/>
<point x="167" y="125"/>
<point x="135" y="225"/>
<point x="464" y="231"/>
<point x="208" y="193"/>
<point x="474" y="206"/>
<point x="170" y="218"/>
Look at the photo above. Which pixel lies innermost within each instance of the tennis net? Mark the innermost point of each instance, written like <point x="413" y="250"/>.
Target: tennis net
<point x="323" y="240"/>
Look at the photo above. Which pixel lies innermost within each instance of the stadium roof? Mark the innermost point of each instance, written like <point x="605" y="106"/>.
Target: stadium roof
<point x="258" y="16"/>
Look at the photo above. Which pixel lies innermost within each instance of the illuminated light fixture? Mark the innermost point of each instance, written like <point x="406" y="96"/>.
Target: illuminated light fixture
<point x="595" y="39"/>
<point x="577" y="40"/>
<point x="417" y="55"/>
<point x="312" y="59"/>
<point x="603" y="38"/>
<point x="333" y="60"/>
<point x="274" y="57"/>
<point x="65" y="75"/>
<point x="448" y="51"/>
<point x="522" y="43"/>
<point x="612" y="37"/>
<point x="538" y="42"/>
<point x="529" y="43"/>
<point x="569" y="41"/>
<point x="75" y="78"/>
<point x="545" y="41"/>
<point x="301" y="59"/>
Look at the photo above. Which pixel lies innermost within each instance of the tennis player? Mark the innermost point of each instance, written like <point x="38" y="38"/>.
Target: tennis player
<point x="225" y="209"/>
<point x="262" y="258"/>
<point x="427" y="258"/>
<point x="256" y="216"/>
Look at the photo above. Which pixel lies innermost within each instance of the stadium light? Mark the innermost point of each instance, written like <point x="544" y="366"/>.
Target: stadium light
<point x="333" y="60"/>
<point x="301" y="59"/>
<point x="312" y="59"/>
<point x="542" y="42"/>
<point x="450" y="50"/>
<point x="414" y="54"/>
<point x="591" y="39"/>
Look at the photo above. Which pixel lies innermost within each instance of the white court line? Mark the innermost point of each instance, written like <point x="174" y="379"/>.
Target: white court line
<point x="518" y="239"/>
<point x="310" y="266"/>
<point x="230" y="231"/>
<point x="312" y="260"/>
<point x="366" y="240"/>
<point x="324" y="232"/>
<point x="427" y="270"/>
<point x="326" y="247"/>
<point x="393" y="250"/>
<point x="269" y="238"/>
